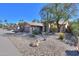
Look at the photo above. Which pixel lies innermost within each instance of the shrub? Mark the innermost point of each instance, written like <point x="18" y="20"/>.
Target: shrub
<point x="61" y="35"/>
<point x="36" y="32"/>
<point x="75" y="28"/>
<point x="0" y="25"/>
<point x="54" y="28"/>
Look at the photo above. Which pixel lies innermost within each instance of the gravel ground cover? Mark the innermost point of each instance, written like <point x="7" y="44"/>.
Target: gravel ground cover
<point x="51" y="47"/>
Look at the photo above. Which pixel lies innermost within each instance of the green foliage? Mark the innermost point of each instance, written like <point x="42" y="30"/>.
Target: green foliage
<point x="21" y="23"/>
<point x="75" y="28"/>
<point x="53" y="28"/>
<point x="0" y="25"/>
<point x="58" y="11"/>
<point x="3" y="26"/>
<point x="36" y="32"/>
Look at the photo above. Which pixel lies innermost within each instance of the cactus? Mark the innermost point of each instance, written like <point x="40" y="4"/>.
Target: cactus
<point x="61" y="35"/>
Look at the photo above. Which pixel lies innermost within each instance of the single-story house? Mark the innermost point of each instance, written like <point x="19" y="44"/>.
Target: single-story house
<point x="29" y="27"/>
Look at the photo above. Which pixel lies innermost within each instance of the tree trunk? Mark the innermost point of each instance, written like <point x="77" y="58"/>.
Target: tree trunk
<point x="58" y="27"/>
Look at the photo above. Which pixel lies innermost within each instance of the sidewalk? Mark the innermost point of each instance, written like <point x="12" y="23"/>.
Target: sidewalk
<point x="6" y="47"/>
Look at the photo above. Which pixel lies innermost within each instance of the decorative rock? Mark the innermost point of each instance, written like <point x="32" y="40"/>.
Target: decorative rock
<point x="35" y="44"/>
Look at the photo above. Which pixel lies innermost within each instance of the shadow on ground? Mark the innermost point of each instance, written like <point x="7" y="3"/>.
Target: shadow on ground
<point x="9" y="33"/>
<point x="72" y="53"/>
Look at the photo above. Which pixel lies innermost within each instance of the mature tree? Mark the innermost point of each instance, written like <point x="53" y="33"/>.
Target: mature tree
<point x="58" y="11"/>
<point x="21" y="20"/>
<point x="0" y="23"/>
<point x="36" y="20"/>
<point x="46" y="17"/>
<point x="5" y="21"/>
<point x="78" y="20"/>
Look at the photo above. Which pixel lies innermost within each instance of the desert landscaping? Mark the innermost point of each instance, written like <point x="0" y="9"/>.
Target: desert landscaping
<point x="51" y="47"/>
<point x="50" y="29"/>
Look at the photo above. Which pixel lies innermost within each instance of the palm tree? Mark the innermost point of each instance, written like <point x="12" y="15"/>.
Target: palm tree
<point x="5" y="21"/>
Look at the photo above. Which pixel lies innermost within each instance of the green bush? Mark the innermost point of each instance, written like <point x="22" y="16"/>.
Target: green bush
<point x="0" y="26"/>
<point x="54" y="28"/>
<point x="36" y="32"/>
<point x="75" y="28"/>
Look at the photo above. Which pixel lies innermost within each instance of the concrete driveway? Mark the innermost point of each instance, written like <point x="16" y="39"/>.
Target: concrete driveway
<point x="6" y="46"/>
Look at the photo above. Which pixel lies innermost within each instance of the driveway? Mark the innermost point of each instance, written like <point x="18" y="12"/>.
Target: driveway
<point x="6" y="46"/>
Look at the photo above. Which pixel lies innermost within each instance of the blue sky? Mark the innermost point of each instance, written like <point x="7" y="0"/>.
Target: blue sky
<point x="14" y="12"/>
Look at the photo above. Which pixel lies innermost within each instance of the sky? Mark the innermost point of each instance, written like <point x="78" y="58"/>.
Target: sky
<point x="17" y="11"/>
<point x="13" y="12"/>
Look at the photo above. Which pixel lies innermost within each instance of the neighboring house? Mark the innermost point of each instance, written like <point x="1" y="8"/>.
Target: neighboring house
<point x="11" y="27"/>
